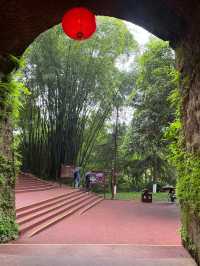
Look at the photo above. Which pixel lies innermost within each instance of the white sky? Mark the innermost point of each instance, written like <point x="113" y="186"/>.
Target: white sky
<point x="140" y="34"/>
<point x="142" y="37"/>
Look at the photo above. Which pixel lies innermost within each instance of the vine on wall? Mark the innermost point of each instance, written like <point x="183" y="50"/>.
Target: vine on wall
<point x="8" y="228"/>
<point x="10" y="92"/>
<point x="187" y="165"/>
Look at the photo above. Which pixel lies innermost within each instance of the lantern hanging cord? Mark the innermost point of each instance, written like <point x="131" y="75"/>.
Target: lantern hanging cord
<point x="80" y="34"/>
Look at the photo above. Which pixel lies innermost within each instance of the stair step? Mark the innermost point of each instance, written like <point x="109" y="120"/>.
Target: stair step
<point x="30" y="180"/>
<point x="30" y="190"/>
<point x="32" y="186"/>
<point x="29" y="225"/>
<point x="90" y="206"/>
<point x="47" y="204"/>
<point x="55" y="206"/>
<point x="19" y="210"/>
<point x="60" y="217"/>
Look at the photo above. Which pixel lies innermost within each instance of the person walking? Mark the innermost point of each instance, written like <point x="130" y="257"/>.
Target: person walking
<point x="77" y="177"/>
<point x="87" y="181"/>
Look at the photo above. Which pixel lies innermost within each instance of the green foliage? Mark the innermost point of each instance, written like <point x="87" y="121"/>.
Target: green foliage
<point x="101" y="155"/>
<point x="125" y="183"/>
<point x="188" y="169"/>
<point x="154" y="83"/>
<point x="188" y="185"/>
<point x="158" y="197"/>
<point x="187" y="164"/>
<point x="142" y="146"/>
<point x="145" y="145"/>
<point x="72" y="88"/>
<point x="6" y="170"/>
<point x="103" y="152"/>
<point x="8" y="228"/>
<point x="10" y="92"/>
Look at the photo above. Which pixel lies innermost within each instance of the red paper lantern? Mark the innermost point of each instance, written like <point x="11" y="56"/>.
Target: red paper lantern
<point x="79" y="23"/>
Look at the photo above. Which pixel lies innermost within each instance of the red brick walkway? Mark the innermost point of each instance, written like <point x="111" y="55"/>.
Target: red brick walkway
<point x="113" y="233"/>
<point x="116" y="222"/>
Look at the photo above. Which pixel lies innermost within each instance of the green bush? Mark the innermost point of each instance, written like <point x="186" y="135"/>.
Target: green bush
<point x="10" y="92"/>
<point x="187" y="165"/>
<point x="8" y="228"/>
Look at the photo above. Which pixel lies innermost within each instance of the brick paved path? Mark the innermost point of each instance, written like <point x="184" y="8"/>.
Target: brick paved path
<point x="113" y="233"/>
<point x="116" y="222"/>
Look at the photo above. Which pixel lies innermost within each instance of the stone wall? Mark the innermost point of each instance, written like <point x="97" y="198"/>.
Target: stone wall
<point x="22" y="21"/>
<point x="191" y="232"/>
<point x="8" y="228"/>
<point x="188" y="63"/>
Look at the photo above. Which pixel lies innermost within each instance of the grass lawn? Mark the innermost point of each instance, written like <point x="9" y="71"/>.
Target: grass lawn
<point x="137" y="196"/>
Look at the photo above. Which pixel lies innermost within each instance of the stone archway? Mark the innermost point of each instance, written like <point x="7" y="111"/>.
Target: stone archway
<point x="176" y="21"/>
<point x="23" y="21"/>
<point x="173" y="20"/>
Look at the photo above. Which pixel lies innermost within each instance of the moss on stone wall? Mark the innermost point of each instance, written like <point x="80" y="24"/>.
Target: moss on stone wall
<point x="9" y="102"/>
<point x="186" y="145"/>
<point x="8" y="228"/>
<point x="187" y="165"/>
<point x="188" y="189"/>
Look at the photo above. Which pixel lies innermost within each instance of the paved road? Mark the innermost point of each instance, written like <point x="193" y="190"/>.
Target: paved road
<point x="93" y="255"/>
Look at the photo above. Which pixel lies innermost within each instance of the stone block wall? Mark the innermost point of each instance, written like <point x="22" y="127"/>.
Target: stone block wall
<point x="188" y="63"/>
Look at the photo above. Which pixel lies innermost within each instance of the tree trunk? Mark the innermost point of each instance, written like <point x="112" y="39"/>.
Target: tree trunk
<point x="114" y="172"/>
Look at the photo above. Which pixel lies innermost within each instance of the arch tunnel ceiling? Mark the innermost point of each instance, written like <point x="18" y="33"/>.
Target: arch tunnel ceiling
<point x="21" y="21"/>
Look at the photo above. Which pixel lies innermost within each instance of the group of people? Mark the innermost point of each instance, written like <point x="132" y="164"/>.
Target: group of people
<point x="77" y="179"/>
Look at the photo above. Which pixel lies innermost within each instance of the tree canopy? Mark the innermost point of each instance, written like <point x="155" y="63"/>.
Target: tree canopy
<point x="72" y="87"/>
<point x="78" y="92"/>
<point x="156" y="78"/>
<point x="142" y="144"/>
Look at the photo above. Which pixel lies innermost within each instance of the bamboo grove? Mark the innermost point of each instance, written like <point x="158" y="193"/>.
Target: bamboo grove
<point x="72" y="88"/>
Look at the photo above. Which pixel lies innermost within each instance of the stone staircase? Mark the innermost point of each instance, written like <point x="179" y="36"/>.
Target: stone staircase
<point x="29" y="183"/>
<point x="36" y="217"/>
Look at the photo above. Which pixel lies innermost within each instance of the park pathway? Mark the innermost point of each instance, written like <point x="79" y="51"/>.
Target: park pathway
<point x="99" y="233"/>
